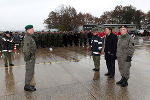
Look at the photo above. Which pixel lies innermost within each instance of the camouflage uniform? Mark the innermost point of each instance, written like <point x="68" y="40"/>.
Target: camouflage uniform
<point x="125" y="49"/>
<point x="29" y="49"/>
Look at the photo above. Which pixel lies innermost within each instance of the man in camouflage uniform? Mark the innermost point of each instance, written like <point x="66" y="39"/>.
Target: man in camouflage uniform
<point x="29" y="49"/>
<point x="125" y="50"/>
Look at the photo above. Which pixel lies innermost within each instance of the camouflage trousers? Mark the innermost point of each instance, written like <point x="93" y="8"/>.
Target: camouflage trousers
<point x="124" y="68"/>
<point x="7" y="57"/>
<point x="29" y="75"/>
<point x="96" y="60"/>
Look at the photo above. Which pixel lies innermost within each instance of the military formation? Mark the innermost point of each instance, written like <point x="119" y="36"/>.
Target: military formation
<point x="62" y="39"/>
<point x="120" y="48"/>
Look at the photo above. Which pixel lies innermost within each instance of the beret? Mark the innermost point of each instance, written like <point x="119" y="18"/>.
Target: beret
<point x="28" y="27"/>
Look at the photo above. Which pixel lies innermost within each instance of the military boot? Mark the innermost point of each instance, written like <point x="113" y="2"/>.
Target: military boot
<point x="124" y="83"/>
<point x="96" y="70"/>
<point x="29" y="88"/>
<point x="11" y="64"/>
<point x="6" y="65"/>
<point x="121" y="81"/>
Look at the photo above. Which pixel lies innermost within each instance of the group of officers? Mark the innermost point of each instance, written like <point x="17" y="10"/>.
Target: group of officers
<point x="115" y="48"/>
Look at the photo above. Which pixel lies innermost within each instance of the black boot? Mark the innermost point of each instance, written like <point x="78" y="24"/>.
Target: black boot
<point x="120" y="82"/>
<point x="107" y="74"/>
<point x="6" y="65"/>
<point x="29" y="88"/>
<point x="124" y="83"/>
<point x="96" y="70"/>
<point x="111" y="76"/>
<point x="11" y="64"/>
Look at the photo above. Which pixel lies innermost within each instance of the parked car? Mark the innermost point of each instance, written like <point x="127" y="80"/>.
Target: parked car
<point x="133" y="32"/>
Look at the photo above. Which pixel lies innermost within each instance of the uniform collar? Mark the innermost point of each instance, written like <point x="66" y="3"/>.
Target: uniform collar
<point x="125" y="35"/>
<point x="28" y="34"/>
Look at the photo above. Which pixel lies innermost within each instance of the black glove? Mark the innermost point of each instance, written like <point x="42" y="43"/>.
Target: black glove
<point x="129" y="59"/>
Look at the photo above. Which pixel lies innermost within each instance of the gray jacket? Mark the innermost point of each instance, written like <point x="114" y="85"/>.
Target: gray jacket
<point x="125" y="46"/>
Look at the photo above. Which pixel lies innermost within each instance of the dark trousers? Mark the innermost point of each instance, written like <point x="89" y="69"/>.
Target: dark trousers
<point x="111" y="67"/>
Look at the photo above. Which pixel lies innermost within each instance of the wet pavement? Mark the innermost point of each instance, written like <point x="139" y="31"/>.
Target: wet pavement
<point x="66" y="74"/>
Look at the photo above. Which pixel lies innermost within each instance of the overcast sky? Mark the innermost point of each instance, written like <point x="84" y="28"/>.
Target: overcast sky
<point x="15" y="14"/>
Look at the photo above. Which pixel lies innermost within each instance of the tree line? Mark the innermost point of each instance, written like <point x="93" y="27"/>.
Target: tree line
<point x="66" y="18"/>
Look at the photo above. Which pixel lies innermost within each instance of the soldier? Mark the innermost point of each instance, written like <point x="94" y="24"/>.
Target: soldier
<point x="96" y="47"/>
<point x="125" y="50"/>
<point x="43" y="40"/>
<point x="36" y="38"/>
<point x="85" y="38"/>
<point x="81" y="39"/>
<point x="89" y="34"/>
<point x="29" y="49"/>
<point x="110" y="51"/>
<point x="70" y="38"/>
<point x="65" y="39"/>
<point x="7" y="48"/>
<point x="17" y="40"/>
<point x="1" y="41"/>
<point x="76" y="39"/>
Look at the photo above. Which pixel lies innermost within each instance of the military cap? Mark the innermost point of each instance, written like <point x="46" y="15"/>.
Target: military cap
<point x="123" y="26"/>
<point x="28" y="27"/>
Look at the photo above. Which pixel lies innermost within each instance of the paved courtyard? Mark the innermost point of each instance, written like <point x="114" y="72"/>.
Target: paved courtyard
<point x="66" y="74"/>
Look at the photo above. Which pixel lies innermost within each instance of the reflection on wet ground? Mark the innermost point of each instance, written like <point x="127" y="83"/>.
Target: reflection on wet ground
<point x="65" y="74"/>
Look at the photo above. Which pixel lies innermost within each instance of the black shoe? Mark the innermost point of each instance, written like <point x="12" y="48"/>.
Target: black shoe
<point x="6" y="65"/>
<point x="11" y="64"/>
<point x="32" y="86"/>
<point x="29" y="88"/>
<point x="96" y="70"/>
<point x="120" y="82"/>
<point x="107" y="74"/>
<point x="124" y="83"/>
<point x="111" y="76"/>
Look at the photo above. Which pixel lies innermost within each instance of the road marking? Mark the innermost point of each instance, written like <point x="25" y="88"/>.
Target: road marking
<point x="71" y="60"/>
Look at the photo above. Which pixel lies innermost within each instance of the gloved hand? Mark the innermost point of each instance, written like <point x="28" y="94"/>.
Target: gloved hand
<point x="129" y="59"/>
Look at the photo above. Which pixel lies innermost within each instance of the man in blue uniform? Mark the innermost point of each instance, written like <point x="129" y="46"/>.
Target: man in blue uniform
<point x="96" y="47"/>
<point x="7" y="48"/>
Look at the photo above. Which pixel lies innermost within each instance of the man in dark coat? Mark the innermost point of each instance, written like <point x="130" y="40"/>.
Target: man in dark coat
<point x="7" y="48"/>
<point x="110" y="51"/>
<point x="96" y="48"/>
